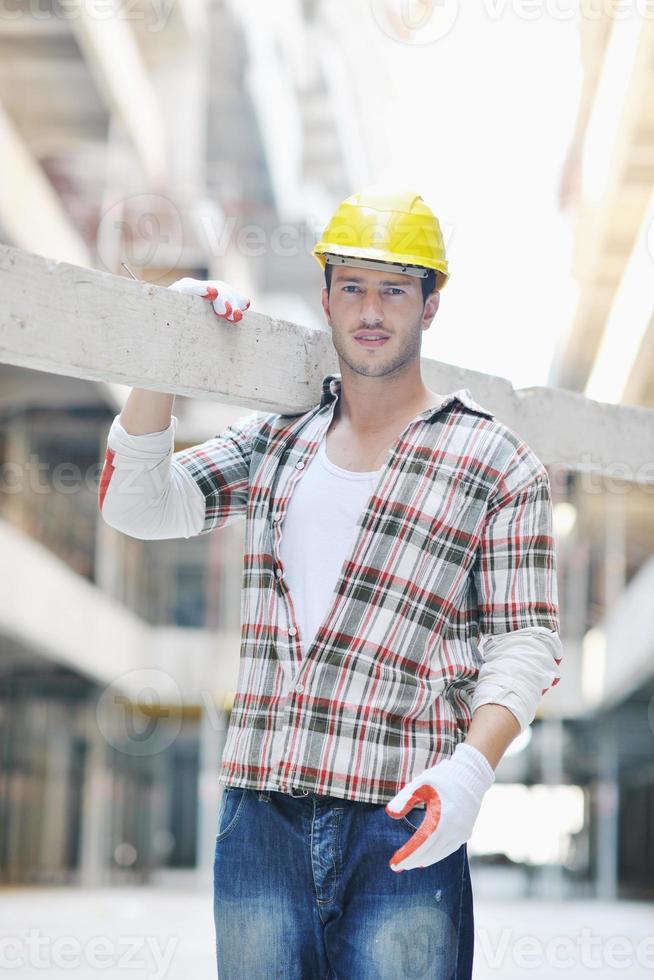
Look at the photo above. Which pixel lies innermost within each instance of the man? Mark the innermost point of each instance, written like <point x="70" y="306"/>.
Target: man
<point x="399" y="621"/>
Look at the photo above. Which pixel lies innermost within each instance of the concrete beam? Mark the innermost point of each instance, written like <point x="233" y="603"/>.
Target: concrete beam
<point x="115" y="62"/>
<point x="616" y="186"/>
<point x="104" y="641"/>
<point x="82" y="323"/>
<point x="30" y="210"/>
<point x="101" y="641"/>
<point x="629" y="319"/>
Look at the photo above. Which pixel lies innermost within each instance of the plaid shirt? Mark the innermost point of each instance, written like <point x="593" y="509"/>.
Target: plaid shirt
<point x="454" y="543"/>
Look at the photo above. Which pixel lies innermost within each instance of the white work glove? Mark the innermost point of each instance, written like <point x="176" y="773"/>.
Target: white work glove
<point x="452" y="790"/>
<point x="227" y="302"/>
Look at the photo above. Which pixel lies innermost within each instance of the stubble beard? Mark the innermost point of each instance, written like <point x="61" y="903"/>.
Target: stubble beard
<point x="381" y="363"/>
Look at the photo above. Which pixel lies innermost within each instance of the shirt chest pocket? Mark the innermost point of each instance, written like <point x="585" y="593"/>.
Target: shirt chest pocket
<point x="438" y="508"/>
<point x="454" y="504"/>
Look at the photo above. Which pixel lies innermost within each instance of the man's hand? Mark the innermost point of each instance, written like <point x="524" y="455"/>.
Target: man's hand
<point x="227" y="302"/>
<point x="453" y="790"/>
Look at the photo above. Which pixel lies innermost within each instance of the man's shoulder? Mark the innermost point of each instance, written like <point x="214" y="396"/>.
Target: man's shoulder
<point x="515" y="463"/>
<point x="507" y="455"/>
<point x="518" y="451"/>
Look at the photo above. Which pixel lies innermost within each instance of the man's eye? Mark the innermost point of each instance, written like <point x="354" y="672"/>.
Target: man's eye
<point x="395" y="290"/>
<point x="345" y="288"/>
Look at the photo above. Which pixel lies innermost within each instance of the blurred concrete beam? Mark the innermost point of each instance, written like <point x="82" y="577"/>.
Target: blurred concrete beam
<point x="104" y="641"/>
<point x="30" y="210"/>
<point x="621" y="360"/>
<point x="614" y="154"/>
<point x="82" y="323"/>
<point x="115" y="62"/>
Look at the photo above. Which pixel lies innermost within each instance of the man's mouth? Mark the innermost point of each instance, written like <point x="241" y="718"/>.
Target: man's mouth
<point x="371" y="338"/>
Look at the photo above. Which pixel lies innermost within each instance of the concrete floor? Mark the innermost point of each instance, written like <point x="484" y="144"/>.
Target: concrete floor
<point x="166" y="933"/>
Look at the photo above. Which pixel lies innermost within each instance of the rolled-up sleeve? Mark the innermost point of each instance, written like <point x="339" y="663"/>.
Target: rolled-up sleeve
<point x="148" y="491"/>
<point x="519" y="667"/>
<point x="515" y="580"/>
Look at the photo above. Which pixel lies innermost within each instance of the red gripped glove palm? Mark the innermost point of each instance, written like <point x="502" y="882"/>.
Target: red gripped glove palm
<point x="226" y="301"/>
<point x="452" y="790"/>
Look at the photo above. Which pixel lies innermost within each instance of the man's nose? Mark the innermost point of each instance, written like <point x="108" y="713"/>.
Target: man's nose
<point x="371" y="310"/>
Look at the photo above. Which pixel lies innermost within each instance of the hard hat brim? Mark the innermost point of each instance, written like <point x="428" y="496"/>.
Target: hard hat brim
<point x="379" y="258"/>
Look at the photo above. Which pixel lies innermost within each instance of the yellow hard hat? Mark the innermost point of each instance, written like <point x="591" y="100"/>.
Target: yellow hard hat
<point x="385" y="227"/>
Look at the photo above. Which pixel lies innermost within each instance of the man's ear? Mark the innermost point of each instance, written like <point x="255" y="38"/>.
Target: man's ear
<point x="430" y="308"/>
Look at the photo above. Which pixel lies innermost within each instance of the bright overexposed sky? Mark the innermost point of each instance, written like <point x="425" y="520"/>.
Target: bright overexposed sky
<point x="479" y="122"/>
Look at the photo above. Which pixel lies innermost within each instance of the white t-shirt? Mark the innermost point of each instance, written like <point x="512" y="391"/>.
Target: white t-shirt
<point x="318" y="533"/>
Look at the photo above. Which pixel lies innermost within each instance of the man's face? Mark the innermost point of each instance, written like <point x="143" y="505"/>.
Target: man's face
<point x="370" y="301"/>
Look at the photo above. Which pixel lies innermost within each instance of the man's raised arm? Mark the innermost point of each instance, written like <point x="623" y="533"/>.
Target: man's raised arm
<point x="148" y="491"/>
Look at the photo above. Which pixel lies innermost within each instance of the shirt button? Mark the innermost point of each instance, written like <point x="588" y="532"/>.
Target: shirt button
<point x="299" y="465"/>
<point x="299" y="688"/>
<point x="292" y="630"/>
<point x="278" y="572"/>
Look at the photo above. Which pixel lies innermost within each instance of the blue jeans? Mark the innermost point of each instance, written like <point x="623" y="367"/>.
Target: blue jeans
<point x="303" y="891"/>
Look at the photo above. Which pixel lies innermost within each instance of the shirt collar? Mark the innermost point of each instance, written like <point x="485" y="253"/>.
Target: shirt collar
<point x="331" y="387"/>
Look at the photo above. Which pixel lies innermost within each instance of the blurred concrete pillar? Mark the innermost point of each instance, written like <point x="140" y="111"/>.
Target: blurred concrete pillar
<point x="575" y="553"/>
<point x="17" y="485"/>
<point x="96" y="807"/>
<point x="55" y="796"/>
<point x="551" y="742"/>
<point x="607" y="797"/>
<point x="615" y="571"/>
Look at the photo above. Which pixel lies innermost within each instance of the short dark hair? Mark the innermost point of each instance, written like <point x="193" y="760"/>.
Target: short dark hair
<point x="428" y="284"/>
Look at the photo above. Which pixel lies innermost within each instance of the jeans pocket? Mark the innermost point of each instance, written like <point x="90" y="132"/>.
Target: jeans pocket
<point x="414" y="818"/>
<point x="231" y="808"/>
